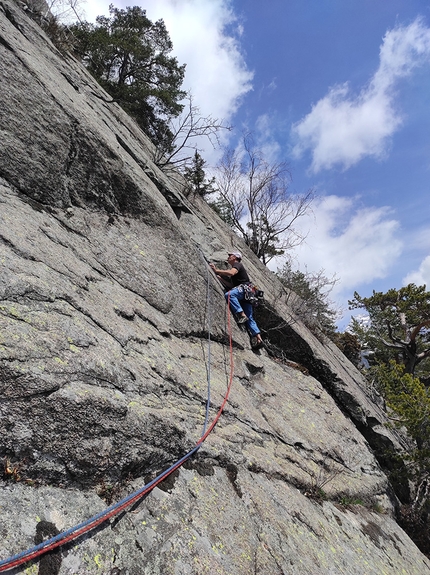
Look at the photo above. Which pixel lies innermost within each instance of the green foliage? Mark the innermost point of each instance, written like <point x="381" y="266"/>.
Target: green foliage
<point x="196" y="177"/>
<point x="223" y="209"/>
<point x="347" y="500"/>
<point x="399" y="326"/>
<point x="398" y="336"/>
<point x="316" y="493"/>
<point x="409" y="399"/>
<point x="129" y="56"/>
<point x="263" y="238"/>
<point x="314" y="307"/>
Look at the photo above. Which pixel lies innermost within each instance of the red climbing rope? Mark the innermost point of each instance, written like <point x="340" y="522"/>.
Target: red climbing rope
<point x="86" y="526"/>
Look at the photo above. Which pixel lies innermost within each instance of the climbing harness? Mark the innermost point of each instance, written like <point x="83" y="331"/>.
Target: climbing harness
<point x="115" y="509"/>
<point x="252" y="294"/>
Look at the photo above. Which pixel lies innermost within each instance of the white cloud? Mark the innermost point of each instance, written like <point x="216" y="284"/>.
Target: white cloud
<point x="94" y="8"/>
<point x="216" y="70"/>
<point x="264" y="137"/>
<point x="272" y="86"/>
<point x="343" y="128"/>
<point x="357" y="244"/>
<point x="421" y="276"/>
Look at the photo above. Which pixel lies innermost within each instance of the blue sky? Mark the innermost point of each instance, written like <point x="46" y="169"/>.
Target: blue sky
<point x="340" y="89"/>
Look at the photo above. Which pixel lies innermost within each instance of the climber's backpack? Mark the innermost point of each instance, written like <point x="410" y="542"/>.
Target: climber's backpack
<point x="252" y="294"/>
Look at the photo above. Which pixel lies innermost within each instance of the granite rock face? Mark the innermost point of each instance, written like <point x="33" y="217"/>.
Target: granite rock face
<point x="106" y="304"/>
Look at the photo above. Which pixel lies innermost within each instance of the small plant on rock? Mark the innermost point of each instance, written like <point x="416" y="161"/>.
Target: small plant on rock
<point x="11" y="472"/>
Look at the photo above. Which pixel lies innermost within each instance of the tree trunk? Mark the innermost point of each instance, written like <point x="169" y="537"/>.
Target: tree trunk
<point x="123" y="71"/>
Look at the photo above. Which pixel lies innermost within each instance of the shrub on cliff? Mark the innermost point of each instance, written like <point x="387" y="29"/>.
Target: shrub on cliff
<point x="314" y="307"/>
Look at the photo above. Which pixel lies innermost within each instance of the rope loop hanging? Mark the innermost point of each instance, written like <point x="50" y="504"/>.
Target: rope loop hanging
<point x="88" y="525"/>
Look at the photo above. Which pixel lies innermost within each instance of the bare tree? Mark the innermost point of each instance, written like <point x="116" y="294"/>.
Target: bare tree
<point x="53" y="16"/>
<point x="65" y="10"/>
<point x="261" y="207"/>
<point x="313" y="305"/>
<point x="187" y="130"/>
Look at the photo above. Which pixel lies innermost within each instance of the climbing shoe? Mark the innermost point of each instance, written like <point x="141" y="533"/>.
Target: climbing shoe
<point x="242" y="319"/>
<point x="255" y="344"/>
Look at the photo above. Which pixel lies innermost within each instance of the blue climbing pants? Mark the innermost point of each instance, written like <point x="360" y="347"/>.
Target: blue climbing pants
<point x="238" y="304"/>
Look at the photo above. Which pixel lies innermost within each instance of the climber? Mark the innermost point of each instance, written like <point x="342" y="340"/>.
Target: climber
<point x="234" y="280"/>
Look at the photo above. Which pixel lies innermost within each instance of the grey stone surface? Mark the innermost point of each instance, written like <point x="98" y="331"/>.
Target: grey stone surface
<point x="106" y="301"/>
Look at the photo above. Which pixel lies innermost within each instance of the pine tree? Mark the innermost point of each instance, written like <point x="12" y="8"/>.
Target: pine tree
<point x="409" y="403"/>
<point x="399" y="327"/>
<point x="130" y="57"/>
<point x="196" y="177"/>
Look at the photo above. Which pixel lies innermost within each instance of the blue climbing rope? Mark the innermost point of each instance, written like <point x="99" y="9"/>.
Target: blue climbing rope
<point x="89" y="524"/>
